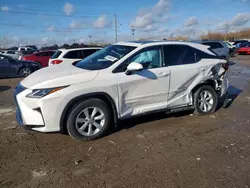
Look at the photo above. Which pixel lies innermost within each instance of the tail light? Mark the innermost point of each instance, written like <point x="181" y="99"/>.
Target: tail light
<point x="55" y="62"/>
<point x="225" y="66"/>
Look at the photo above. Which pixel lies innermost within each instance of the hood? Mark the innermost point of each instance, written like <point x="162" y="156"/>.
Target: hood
<point x="58" y="75"/>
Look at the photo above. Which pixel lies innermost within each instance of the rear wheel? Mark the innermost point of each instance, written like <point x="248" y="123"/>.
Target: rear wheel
<point x="89" y="120"/>
<point x="25" y="71"/>
<point x="205" y="100"/>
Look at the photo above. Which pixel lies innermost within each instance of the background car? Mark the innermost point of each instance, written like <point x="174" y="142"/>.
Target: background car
<point x="218" y="47"/>
<point x="232" y="49"/>
<point x="12" y="67"/>
<point x="11" y="53"/>
<point x="245" y="49"/>
<point x="71" y="55"/>
<point x="24" y="53"/>
<point x="40" y="57"/>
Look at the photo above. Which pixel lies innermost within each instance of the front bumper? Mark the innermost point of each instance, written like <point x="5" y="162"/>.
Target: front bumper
<point x="31" y="113"/>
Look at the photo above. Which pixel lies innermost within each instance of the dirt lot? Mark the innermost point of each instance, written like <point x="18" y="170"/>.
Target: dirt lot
<point x="178" y="150"/>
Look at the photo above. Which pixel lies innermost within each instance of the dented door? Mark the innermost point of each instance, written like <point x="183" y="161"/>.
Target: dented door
<point x="146" y="90"/>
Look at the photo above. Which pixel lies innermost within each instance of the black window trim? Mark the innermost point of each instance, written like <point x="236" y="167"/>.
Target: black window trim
<point x="116" y="69"/>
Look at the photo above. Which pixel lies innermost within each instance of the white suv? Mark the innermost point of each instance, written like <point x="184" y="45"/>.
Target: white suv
<point x="121" y="81"/>
<point x="71" y="55"/>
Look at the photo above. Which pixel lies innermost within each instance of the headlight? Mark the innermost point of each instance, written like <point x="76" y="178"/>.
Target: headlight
<point x="39" y="93"/>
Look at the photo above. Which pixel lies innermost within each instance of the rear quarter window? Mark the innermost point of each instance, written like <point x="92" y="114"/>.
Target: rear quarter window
<point x="75" y="54"/>
<point x="56" y="54"/>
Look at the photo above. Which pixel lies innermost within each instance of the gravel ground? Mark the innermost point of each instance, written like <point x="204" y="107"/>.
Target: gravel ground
<point x="177" y="150"/>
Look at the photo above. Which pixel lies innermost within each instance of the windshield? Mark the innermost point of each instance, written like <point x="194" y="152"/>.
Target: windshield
<point x="104" y="58"/>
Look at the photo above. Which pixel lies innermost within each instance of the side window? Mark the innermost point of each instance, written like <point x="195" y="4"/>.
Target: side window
<point x="76" y="54"/>
<point x="149" y="58"/>
<point x="178" y="55"/>
<point x="10" y="52"/>
<point x="86" y="53"/>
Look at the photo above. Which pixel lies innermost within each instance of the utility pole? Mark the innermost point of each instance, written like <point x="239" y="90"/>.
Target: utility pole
<point x="74" y="41"/>
<point x="171" y="36"/>
<point x="115" y="28"/>
<point x="226" y="31"/>
<point x="90" y="39"/>
<point x="133" y="32"/>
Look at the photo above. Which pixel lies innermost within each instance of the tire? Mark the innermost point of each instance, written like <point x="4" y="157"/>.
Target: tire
<point x="81" y="124"/>
<point x="211" y="100"/>
<point x="25" y="71"/>
<point x="39" y="64"/>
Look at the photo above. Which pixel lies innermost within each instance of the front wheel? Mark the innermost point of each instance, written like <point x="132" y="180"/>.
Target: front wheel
<point x="205" y="100"/>
<point x="89" y="120"/>
<point x="25" y="71"/>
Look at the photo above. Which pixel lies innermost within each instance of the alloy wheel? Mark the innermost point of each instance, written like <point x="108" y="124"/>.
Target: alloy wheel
<point x="90" y="121"/>
<point x="205" y="101"/>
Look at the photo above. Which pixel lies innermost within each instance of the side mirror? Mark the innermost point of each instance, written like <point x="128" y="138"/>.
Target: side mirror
<point x="133" y="67"/>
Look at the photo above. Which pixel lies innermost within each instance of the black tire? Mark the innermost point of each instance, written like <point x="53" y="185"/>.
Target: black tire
<point x="39" y="64"/>
<point x="78" y="108"/>
<point x="197" y="98"/>
<point x="24" y="71"/>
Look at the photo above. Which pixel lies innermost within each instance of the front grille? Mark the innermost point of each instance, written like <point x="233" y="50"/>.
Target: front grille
<point x="19" y="88"/>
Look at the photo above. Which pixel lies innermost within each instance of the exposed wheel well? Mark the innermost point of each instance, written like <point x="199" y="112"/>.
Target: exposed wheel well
<point x="211" y="83"/>
<point x="102" y="96"/>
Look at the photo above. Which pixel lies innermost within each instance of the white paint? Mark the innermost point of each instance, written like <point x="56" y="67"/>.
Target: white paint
<point x="144" y="91"/>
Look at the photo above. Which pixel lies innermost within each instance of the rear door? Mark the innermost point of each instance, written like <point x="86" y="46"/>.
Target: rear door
<point x="185" y="71"/>
<point x="44" y="58"/>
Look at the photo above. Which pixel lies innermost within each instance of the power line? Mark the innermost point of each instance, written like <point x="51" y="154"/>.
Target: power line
<point x="115" y="28"/>
<point x="56" y="15"/>
<point x="44" y="27"/>
<point x="46" y="11"/>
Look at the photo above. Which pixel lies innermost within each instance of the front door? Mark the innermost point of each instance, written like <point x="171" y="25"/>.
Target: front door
<point x="146" y="90"/>
<point x="6" y="68"/>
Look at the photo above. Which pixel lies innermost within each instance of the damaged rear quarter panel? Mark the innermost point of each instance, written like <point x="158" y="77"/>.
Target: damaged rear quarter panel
<point x="186" y="77"/>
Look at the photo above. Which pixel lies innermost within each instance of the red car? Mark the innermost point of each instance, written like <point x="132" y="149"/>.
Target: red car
<point x="40" y="57"/>
<point x="244" y="49"/>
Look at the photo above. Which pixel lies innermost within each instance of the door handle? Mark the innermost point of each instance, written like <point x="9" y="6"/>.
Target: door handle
<point x="163" y="74"/>
<point x="202" y="69"/>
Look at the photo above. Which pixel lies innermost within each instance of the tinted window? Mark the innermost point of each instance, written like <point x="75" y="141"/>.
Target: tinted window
<point x="56" y="54"/>
<point x="104" y="58"/>
<point x="88" y="52"/>
<point x="178" y="55"/>
<point x="10" y="52"/>
<point x="76" y="54"/>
